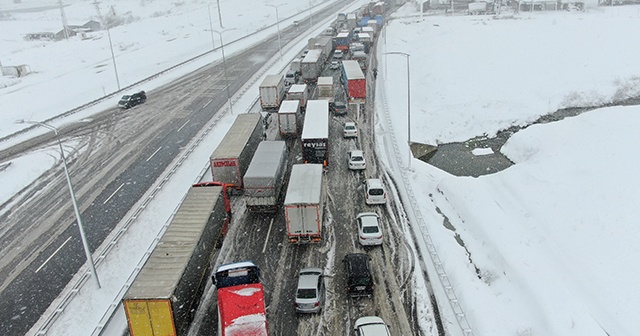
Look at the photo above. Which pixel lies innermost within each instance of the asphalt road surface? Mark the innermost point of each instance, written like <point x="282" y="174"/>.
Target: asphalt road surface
<point x="113" y="159"/>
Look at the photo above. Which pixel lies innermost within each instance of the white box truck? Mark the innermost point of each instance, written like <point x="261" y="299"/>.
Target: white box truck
<point x="298" y="92"/>
<point x="272" y="92"/>
<point x="304" y="204"/>
<point x="325" y="88"/>
<point x="230" y="160"/>
<point x="264" y="178"/>
<point x="288" y="118"/>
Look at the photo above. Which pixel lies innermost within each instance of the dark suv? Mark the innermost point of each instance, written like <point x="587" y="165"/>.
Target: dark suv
<point x="359" y="277"/>
<point x="128" y="101"/>
<point x="339" y="108"/>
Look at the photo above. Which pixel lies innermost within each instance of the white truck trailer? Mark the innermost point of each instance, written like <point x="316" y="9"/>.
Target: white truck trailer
<point x="288" y="118"/>
<point x="230" y="160"/>
<point x="272" y="92"/>
<point x="298" y="92"/>
<point x="304" y="204"/>
<point x="265" y="176"/>
<point x="325" y="88"/>
<point x="312" y="65"/>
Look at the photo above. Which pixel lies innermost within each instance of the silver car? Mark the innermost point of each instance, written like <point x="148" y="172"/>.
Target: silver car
<point x="310" y="291"/>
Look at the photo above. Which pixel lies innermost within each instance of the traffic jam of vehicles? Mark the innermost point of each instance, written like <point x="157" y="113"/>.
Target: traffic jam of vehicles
<point x="268" y="178"/>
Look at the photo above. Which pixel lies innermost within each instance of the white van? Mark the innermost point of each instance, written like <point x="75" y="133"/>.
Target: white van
<point x="374" y="192"/>
<point x="371" y="326"/>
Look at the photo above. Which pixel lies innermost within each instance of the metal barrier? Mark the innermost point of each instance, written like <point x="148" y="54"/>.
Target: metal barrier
<point x="418" y="219"/>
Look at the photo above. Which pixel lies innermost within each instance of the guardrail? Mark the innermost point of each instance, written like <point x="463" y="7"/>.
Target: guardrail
<point x="409" y="198"/>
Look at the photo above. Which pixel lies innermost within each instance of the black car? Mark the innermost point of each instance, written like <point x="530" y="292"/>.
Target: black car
<point x="359" y="277"/>
<point x="339" y="108"/>
<point x="128" y="101"/>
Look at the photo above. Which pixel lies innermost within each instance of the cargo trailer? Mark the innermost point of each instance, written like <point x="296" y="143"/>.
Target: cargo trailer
<point x="265" y="177"/>
<point x="304" y="204"/>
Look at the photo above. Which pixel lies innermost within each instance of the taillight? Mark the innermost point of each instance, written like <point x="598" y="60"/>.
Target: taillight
<point x="317" y="303"/>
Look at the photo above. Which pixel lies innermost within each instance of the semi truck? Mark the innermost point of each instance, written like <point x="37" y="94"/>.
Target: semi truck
<point x="304" y="204"/>
<point x="325" y="88"/>
<point x="230" y="160"/>
<point x="351" y="21"/>
<point x="264" y="178"/>
<point x="342" y="40"/>
<point x="354" y="81"/>
<point x="165" y="293"/>
<point x="323" y="43"/>
<point x="298" y="92"/>
<point x="311" y="66"/>
<point x="241" y="304"/>
<point x="315" y="133"/>
<point x="288" y="118"/>
<point x="272" y="92"/>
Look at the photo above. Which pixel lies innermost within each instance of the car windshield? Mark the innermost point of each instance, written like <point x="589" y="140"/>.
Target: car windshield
<point x="376" y="192"/>
<point x="306" y="293"/>
<point x="370" y="229"/>
<point x="125" y="97"/>
<point x="357" y="158"/>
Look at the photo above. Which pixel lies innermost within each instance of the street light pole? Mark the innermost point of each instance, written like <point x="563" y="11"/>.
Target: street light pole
<point x="113" y="56"/>
<point x="83" y="237"/>
<point x="408" y="101"/>
<point x="224" y="65"/>
<point x="278" y="24"/>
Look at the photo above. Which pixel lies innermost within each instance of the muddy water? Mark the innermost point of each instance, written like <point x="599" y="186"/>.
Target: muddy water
<point x="457" y="158"/>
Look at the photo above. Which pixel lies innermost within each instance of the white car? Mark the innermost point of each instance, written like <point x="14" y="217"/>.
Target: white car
<point x="335" y="65"/>
<point x="374" y="192"/>
<point x="350" y="130"/>
<point x="356" y="160"/>
<point x="371" y="326"/>
<point x="369" y="230"/>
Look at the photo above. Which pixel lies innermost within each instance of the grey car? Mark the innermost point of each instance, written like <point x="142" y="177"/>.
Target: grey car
<point x="310" y="290"/>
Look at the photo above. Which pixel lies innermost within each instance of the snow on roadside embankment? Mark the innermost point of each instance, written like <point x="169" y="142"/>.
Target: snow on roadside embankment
<point x="552" y="239"/>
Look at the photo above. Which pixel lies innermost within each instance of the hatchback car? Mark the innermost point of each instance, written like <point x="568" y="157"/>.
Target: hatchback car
<point x="310" y="290"/>
<point x="356" y="159"/>
<point x="369" y="229"/>
<point x="371" y="326"/>
<point x="339" y="108"/>
<point x="359" y="276"/>
<point x="374" y="192"/>
<point x="350" y="130"/>
<point x="128" y="101"/>
<point x="335" y="65"/>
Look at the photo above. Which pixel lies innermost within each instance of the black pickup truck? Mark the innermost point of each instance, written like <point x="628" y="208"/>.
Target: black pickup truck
<point x="128" y="101"/>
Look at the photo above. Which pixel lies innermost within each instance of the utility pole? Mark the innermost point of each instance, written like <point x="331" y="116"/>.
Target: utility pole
<point x="113" y="56"/>
<point x="64" y="20"/>
<point x="219" y="14"/>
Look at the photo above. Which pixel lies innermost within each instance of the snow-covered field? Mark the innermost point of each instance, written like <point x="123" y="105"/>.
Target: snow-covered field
<point x="548" y="243"/>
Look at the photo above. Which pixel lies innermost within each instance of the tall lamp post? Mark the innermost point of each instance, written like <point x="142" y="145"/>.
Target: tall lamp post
<point x="113" y="56"/>
<point x="278" y="24"/>
<point x="73" y="196"/>
<point x="408" y="100"/>
<point x="224" y="65"/>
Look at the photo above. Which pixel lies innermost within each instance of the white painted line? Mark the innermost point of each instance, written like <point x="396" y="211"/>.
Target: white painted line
<point x="264" y="247"/>
<point x="183" y="125"/>
<point x="54" y="253"/>
<point x="154" y="153"/>
<point x="113" y="194"/>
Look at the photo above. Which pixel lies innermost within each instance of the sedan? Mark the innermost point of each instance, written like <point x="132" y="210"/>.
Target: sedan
<point x="310" y="291"/>
<point x="369" y="229"/>
<point x="350" y="130"/>
<point x="356" y="160"/>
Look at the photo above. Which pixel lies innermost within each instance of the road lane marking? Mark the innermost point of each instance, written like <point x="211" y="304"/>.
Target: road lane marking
<point x="54" y="253"/>
<point x="113" y="194"/>
<point x="154" y="153"/>
<point x="183" y="125"/>
<point x="264" y="247"/>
